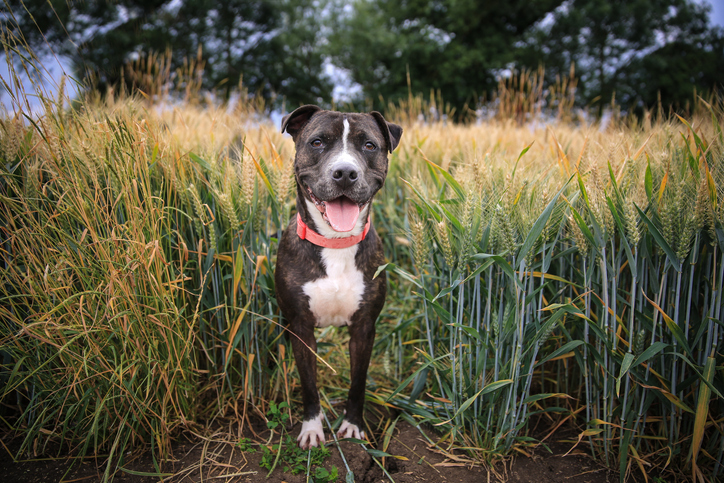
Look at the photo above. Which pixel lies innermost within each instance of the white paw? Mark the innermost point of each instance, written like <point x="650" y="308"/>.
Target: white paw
<point x="312" y="434"/>
<point x="349" y="430"/>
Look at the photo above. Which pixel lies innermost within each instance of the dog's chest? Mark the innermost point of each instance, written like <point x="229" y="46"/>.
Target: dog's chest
<point x="333" y="299"/>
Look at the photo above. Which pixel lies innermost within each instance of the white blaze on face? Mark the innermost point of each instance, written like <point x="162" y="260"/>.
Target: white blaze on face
<point x="345" y="156"/>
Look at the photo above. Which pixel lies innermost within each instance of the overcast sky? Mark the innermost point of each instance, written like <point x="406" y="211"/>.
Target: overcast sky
<point x="717" y="12"/>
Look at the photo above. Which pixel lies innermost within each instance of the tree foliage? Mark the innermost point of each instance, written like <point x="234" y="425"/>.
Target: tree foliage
<point x="638" y="51"/>
<point x="634" y="50"/>
<point x="272" y="45"/>
<point x="455" y="47"/>
<point x="631" y="49"/>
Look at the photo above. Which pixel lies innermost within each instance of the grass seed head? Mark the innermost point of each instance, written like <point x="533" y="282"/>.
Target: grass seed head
<point x="420" y="241"/>
<point x="639" y="343"/>
<point x="466" y="220"/>
<point x="248" y="177"/>
<point x="580" y="240"/>
<point x="227" y="208"/>
<point x="260" y="212"/>
<point x="443" y="237"/>
<point x="632" y="223"/>
<point x="198" y="209"/>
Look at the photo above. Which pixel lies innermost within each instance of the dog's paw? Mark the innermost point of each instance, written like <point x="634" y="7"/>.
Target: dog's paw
<point x="349" y="430"/>
<point x="312" y="434"/>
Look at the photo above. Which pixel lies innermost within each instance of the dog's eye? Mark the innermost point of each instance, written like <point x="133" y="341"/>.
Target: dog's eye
<point x="317" y="143"/>
<point x="369" y="146"/>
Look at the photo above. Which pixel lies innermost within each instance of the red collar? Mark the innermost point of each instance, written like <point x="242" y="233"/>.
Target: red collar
<point x="306" y="233"/>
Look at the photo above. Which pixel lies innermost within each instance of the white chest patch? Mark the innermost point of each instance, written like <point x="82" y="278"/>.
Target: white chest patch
<point x="334" y="298"/>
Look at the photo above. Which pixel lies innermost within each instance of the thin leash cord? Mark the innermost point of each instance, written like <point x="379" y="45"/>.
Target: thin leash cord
<point x="364" y="446"/>
<point x="334" y="435"/>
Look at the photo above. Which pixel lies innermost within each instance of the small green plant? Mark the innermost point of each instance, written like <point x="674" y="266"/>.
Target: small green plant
<point x="321" y="475"/>
<point x="295" y="459"/>
<point x="246" y="445"/>
<point x="276" y="415"/>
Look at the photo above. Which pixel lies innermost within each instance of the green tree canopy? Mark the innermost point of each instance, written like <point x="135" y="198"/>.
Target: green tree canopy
<point x="273" y="45"/>
<point x="639" y="50"/>
<point x="452" y="46"/>
<point x="633" y="49"/>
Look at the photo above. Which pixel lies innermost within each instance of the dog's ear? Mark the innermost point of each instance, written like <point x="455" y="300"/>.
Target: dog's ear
<point x="294" y="122"/>
<point x="391" y="132"/>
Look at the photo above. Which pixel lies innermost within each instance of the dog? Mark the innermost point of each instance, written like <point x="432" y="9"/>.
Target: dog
<point x="329" y="253"/>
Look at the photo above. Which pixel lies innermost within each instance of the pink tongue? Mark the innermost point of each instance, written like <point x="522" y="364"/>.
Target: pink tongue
<point x="342" y="213"/>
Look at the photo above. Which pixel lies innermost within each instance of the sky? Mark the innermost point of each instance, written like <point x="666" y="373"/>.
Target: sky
<point x="717" y="12"/>
<point x="55" y="69"/>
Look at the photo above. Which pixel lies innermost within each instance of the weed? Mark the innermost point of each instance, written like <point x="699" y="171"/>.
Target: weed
<point x="246" y="445"/>
<point x="292" y="457"/>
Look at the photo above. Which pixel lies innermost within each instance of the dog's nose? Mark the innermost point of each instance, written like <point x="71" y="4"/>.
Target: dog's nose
<point x="345" y="175"/>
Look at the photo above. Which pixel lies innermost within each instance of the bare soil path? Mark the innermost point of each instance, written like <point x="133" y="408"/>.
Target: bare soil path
<point x="216" y="458"/>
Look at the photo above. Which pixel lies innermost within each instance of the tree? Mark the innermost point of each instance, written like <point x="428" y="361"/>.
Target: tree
<point x="253" y="39"/>
<point x="452" y="46"/>
<point x="632" y="49"/>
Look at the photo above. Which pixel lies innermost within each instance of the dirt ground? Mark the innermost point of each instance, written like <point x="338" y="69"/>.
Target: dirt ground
<point x="215" y="457"/>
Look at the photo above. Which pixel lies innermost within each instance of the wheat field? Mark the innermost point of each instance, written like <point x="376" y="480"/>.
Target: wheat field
<point x="541" y="265"/>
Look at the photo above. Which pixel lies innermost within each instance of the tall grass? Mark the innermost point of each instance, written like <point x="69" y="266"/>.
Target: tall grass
<point x="578" y="279"/>
<point x="137" y="288"/>
<point x="568" y="272"/>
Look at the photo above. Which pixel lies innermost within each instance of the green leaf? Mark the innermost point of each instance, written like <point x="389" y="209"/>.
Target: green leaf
<point x="495" y="386"/>
<point x="625" y="365"/>
<point x="651" y="351"/>
<point x="584" y="228"/>
<point x="538" y="397"/>
<point x="448" y="289"/>
<point x="381" y="454"/>
<point x="613" y="182"/>
<point x="515" y="168"/>
<point x="502" y="263"/>
<point x="409" y="379"/>
<point x="567" y="347"/>
<point x="582" y="187"/>
<point x="391" y="267"/>
<point x="454" y="184"/>
<point x="196" y="159"/>
<point x="144" y="473"/>
<point x="649" y="180"/>
<point x="702" y="408"/>
<point x="670" y="255"/>
<point x="486" y="390"/>
<point x="539" y="225"/>
<point x="624" y="240"/>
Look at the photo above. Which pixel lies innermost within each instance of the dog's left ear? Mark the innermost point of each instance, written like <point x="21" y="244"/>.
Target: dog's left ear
<point x="391" y="132"/>
<point x="295" y="121"/>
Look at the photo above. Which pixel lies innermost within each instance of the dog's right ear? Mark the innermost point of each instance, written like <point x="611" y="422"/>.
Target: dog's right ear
<point x="294" y="122"/>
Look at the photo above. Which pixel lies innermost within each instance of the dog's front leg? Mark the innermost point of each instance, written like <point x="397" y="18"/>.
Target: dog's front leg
<point x="361" y="342"/>
<point x="304" y="346"/>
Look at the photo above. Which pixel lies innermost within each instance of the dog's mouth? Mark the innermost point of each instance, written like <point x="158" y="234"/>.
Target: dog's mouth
<point x="340" y="213"/>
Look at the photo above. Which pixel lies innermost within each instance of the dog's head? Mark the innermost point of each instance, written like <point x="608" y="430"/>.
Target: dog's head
<point x="340" y="163"/>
